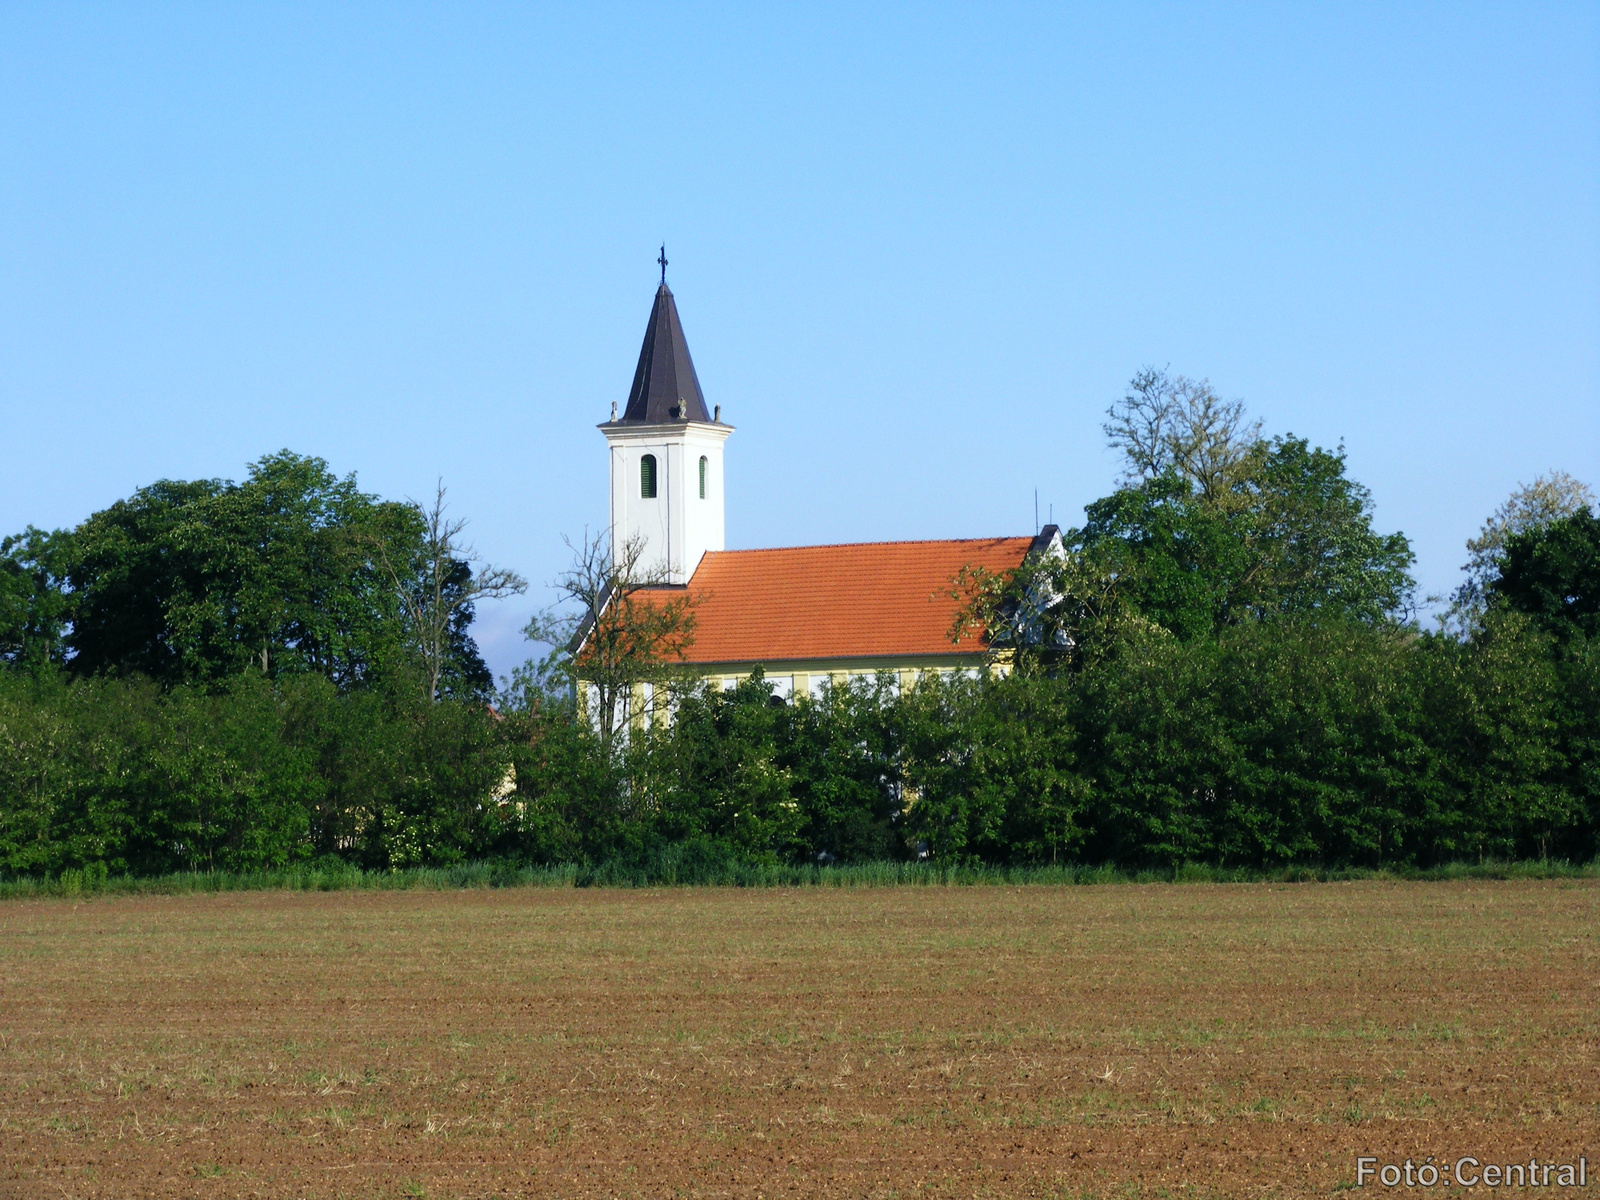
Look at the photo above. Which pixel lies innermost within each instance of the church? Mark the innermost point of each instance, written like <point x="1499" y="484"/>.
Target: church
<point x="807" y="615"/>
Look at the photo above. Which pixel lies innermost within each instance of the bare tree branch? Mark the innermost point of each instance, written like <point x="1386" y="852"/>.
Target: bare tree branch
<point x="627" y="625"/>
<point x="1168" y="423"/>
<point x="438" y="582"/>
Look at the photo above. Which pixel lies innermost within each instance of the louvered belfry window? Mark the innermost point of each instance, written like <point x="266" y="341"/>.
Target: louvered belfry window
<point x="702" y="477"/>
<point x="647" y="477"/>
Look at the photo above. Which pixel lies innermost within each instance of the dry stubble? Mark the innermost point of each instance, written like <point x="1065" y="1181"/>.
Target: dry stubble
<point x="1206" y="1040"/>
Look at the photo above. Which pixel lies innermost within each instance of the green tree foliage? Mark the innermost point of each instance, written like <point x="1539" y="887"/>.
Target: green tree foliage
<point x="1493" y="710"/>
<point x="570" y="802"/>
<point x="1293" y="538"/>
<point x="1532" y="506"/>
<point x="1058" y="611"/>
<point x="199" y="581"/>
<point x="1578" y="731"/>
<point x="1273" y="743"/>
<point x="1214" y="670"/>
<point x="1281" y="534"/>
<point x="991" y="770"/>
<point x="1216" y="525"/>
<point x="716" y="773"/>
<point x="1552" y="573"/>
<point x="222" y="676"/>
<point x="253" y="775"/>
<point x="841" y="752"/>
<point x="1549" y="574"/>
<point x="293" y="571"/>
<point x="35" y="609"/>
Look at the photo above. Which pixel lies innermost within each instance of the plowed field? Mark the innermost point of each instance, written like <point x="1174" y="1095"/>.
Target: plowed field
<point x="1108" y="1041"/>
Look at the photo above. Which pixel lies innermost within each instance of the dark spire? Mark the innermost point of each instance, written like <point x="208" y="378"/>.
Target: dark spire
<point x="664" y="384"/>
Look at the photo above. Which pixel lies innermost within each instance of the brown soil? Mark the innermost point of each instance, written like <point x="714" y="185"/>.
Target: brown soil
<point x="1109" y="1041"/>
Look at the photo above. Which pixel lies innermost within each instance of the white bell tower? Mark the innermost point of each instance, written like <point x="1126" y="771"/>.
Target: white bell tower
<point x="666" y="454"/>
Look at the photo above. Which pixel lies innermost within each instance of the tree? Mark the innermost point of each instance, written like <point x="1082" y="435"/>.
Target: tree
<point x="1055" y="611"/>
<point x="1549" y="576"/>
<point x="199" y="581"/>
<point x="35" y="603"/>
<point x="628" y="626"/>
<point x="717" y="773"/>
<point x="1493" y="710"/>
<point x="293" y="571"/>
<point x="1294" y="537"/>
<point x="1548" y="498"/>
<point x="1552" y="573"/>
<point x="841" y="751"/>
<point x="437" y="590"/>
<point x="1308" y="526"/>
<point x="992" y="766"/>
<point x="1173" y="425"/>
<point x="1215" y="524"/>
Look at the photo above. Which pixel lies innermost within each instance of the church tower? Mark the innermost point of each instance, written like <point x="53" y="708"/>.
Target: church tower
<point x="666" y="454"/>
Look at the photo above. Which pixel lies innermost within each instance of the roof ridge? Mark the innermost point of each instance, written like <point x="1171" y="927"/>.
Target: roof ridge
<point x="1009" y="537"/>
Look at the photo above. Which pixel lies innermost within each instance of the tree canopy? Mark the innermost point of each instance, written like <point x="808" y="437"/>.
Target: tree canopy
<point x="35" y="609"/>
<point x="1548" y="498"/>
<point x="1292" y="536"/>
<point x="1219" y="666"/>
<point x="1551" y="572"/>
<point x="291" y="571"/>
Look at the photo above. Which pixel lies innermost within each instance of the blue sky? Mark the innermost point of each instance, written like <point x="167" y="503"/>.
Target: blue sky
<point x="917" y="250"/>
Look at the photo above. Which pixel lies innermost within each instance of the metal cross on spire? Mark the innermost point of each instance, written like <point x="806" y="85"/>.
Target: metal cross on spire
<point x="663" y="261"/>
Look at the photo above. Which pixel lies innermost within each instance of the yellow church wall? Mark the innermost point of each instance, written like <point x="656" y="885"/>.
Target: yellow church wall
<point x="804" y="671"/>
<point x="909" y="671"/>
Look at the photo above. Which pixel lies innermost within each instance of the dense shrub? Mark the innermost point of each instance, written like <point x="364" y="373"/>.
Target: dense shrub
<point x="1271" y="744"/>
<point x="1217" y="671"/>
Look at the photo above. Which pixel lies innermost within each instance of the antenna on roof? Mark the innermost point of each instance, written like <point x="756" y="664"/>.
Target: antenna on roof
<point x="1035" y="512"/>
<point x="663" y="261"/>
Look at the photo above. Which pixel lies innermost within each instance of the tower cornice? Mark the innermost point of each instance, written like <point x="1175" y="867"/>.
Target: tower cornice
<point x="654" y="431"/>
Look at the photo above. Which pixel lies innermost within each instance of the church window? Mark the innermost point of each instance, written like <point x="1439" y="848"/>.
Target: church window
<point x="702" y="477"/>
<point x="647" y="477"/>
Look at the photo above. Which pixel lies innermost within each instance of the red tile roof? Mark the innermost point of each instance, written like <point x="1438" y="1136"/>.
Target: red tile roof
<point x="868" y="600"/>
